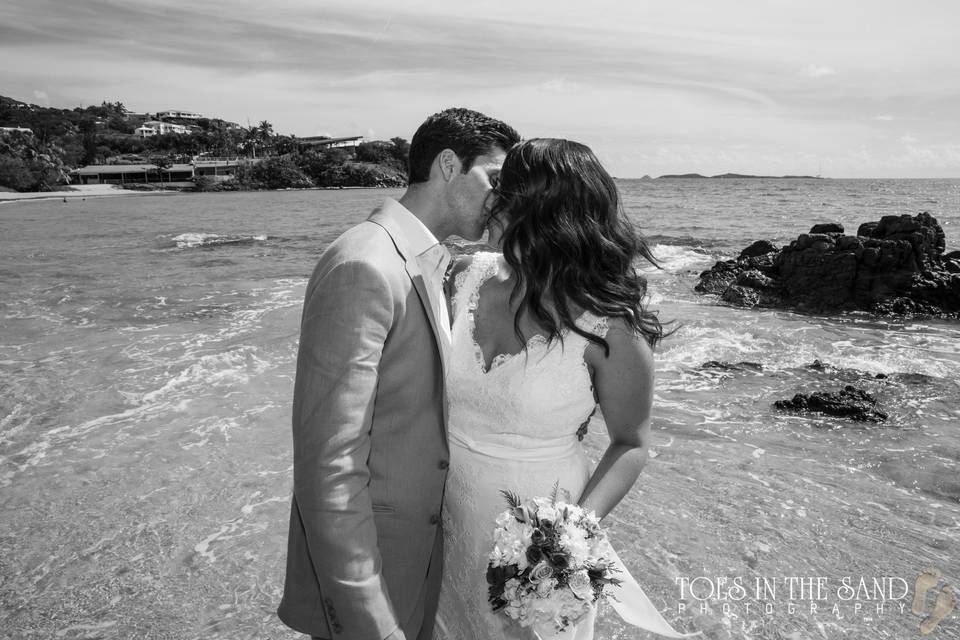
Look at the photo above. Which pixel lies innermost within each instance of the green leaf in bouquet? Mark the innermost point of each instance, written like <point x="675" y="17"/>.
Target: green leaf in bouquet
<point x="513" y="500"/>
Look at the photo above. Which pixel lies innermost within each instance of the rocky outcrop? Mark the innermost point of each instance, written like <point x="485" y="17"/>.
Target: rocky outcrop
<point x="722" y="365"/>
<point x="852" y="403"/>
<point x="894" y="266"/>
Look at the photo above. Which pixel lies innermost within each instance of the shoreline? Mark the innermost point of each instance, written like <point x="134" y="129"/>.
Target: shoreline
<point x="82" y="191"/>
<point x="110" y="191"/>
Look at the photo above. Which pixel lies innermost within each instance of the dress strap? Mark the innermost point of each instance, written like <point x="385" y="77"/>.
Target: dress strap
<point x="592" y="323"/>
<point x="598" y="326"/>
<point x="466" y="284"/>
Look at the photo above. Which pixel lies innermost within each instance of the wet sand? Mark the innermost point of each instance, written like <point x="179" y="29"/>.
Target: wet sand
<point x="80" y="191"/>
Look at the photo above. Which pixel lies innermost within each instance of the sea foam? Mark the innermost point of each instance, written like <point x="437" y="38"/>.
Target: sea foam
<point x="195" y="239"/>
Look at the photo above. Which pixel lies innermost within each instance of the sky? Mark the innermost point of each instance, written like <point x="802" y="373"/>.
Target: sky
<point x="844" y="88"/>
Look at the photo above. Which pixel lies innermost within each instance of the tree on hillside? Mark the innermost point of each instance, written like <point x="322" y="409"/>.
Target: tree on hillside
<point x="316" y="163"/>
<point x="258" y="137"/>
<point x="286" y="144"/>
<point x="401" y="151"/>
<point x="88" y="140"/>
<point x="392" y="154"/>
<point x="162" y="163"/>
<point x="264" y="131"/>
<point x="27" y="164"/>
<point x="114" y="107"/>
<point x="217" y="139"/>
<point x="118" y="122"/>
<point x="279" y="173"/>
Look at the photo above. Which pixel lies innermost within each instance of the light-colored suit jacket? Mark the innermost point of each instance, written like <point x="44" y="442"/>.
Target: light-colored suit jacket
<point x="370" y="452"/>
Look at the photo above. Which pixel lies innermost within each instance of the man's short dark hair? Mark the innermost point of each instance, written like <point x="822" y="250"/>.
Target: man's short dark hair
<point x="467" y="133"/>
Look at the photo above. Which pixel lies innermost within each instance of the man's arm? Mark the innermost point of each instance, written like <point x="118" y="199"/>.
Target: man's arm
<point x="347" y="316"/>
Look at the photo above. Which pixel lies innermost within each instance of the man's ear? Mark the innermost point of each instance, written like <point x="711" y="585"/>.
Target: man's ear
<point x="449" y="164"/>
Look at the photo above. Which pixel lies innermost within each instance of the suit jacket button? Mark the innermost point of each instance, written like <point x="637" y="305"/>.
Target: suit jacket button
<point x="443" y="464"/>
<point x="435" y="519"/>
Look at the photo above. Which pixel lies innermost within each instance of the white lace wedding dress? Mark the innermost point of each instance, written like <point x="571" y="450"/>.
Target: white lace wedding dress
<point x="513" y="427"/>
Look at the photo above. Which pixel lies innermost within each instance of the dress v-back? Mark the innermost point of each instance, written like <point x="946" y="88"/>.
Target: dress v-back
<point x="514" y="428"/>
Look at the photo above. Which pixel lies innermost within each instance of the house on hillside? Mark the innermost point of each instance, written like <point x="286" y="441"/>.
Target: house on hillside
<point x="219" y="168"/>
<point x="157" y="128"/>
<point x="178" y="175"/>
<point x="22" y="130"/>
<point x="329" y="143"/>
<point x="186" y="115"/>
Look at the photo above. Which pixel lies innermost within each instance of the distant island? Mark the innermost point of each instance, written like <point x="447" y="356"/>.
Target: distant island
<point x="734" y="175"/>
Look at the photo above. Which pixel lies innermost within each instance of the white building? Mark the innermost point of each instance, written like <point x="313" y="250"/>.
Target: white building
<point x="157" y="128"/>
<point x="318" y="141"/>
<point x="188" y="115"/>
<point x="175" y="175"/>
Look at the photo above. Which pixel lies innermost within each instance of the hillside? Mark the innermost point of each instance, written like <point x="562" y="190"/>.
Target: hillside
<point x="40" y="145"/>
<point x="688" y="176"/>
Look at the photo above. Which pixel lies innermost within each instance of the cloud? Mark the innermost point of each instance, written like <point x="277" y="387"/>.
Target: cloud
<point x="648" y="76"/>
<point x="816" y="71"/>
<point x="907" y="139"/>
<point x="561" y="85"/>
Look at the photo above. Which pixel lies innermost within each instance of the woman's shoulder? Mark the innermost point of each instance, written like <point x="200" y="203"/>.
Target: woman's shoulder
<point x="626" y="344"/>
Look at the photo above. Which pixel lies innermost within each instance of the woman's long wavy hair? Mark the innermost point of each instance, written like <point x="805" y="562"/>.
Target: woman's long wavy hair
<point x="568" y="241"/>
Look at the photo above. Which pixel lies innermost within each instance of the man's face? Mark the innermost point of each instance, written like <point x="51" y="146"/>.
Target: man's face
<point x="468" y="194"/>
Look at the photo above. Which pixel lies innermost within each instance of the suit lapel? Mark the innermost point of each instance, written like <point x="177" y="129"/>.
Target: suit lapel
<point x="419" y="283"/>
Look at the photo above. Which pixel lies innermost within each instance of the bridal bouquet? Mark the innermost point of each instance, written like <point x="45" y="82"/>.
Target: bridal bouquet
<point x="549" y="563"/>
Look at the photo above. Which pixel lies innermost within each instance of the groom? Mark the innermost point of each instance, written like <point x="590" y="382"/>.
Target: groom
<point x="369" y="412"/>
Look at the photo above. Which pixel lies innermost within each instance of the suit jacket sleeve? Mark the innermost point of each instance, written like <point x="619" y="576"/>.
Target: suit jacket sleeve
<point x="348" y="313"/>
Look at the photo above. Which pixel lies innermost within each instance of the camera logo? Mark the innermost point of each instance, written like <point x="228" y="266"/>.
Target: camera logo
<point x="944" y="604"/>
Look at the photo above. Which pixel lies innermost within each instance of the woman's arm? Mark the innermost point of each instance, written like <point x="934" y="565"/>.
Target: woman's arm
<point x="624" y="386"/>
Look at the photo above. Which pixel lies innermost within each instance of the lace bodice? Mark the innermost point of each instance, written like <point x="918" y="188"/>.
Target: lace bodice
<point x="535" y="399"/>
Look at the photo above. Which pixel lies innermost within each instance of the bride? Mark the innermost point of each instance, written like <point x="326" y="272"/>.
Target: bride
<point x="543" y="332"/>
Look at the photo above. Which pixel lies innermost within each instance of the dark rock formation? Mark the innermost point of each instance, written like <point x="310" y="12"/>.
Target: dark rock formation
<point x="758" y="248"/>
<point x="841" y="373"/>
<point x="827" y="227"/>
<point x="731" y="366"/>
<point x="855" y="404"/>
<point x="894" y="266"/>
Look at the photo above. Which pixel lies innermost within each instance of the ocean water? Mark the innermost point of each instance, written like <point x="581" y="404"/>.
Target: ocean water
<point x="147" y="349"/>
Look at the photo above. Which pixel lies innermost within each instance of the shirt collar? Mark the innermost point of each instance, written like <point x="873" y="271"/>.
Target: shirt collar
<point x="417" y="235"/>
